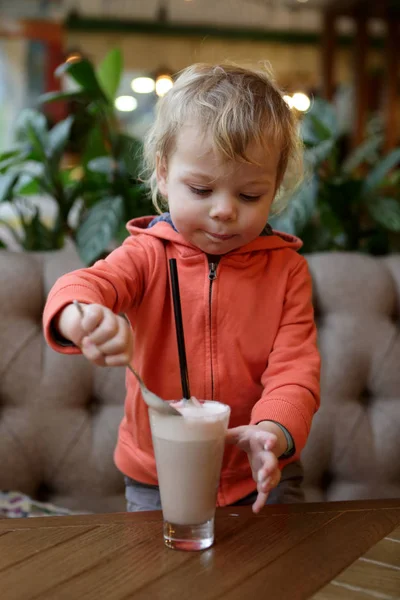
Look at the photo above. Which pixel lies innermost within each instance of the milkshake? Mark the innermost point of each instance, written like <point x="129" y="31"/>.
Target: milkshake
<point x="188" y="454"/>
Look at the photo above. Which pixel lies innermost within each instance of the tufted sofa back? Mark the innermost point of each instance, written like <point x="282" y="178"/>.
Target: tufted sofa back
<point x="354" y="447"/>
<point x="59" y="415"/>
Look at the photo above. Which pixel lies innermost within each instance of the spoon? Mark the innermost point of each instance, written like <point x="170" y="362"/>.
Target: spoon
<point x="151" y="399"/>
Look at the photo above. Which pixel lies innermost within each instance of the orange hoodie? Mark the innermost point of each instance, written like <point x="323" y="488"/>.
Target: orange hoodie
<point x="249" y="333"/>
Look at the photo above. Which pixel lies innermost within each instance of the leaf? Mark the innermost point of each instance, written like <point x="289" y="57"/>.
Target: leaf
<point x="130" y="151"/>
<point x="319" y="123"/>
<point x="13" y="161"/>
<point x="57" y="96"/>
<point x="102" y="164"/>
<point x="366" y="152"/>
<point x="317" y="154"/>
<point x="121" y="234"/>
<point x="137" y="201"/>
<point x="95" y="145"/>
<point x="300" y="209"/>
<point x="315" y="239"/>
<point x="378" y="242"/>
<point x="7" y="183"/>
<point x="109" y="73"/>
<point x="99" y="228"/>
<point x="58" y="139"/>
<point x="73" y="191"/>
<point x="39" y="237"/>
<point x="11" y="152"/>
<point x="31" y="126"/>
<point x="14" y="156"/>
<point x="13" y="231"/>
<point x="27" y="185"/>
<point x="344" y="196"/>
<point x="386" y="212"/>
<point x="378" y="174"/>
<point x="83" y="73"/>
<point x="32" y="179"/>
<point x="32" y="169"/>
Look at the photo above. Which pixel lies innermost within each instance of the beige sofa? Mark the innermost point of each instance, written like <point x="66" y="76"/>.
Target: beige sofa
<point x="59" y="415"/>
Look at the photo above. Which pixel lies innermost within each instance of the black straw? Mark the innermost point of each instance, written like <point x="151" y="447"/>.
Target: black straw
<point x="179" y="328"/>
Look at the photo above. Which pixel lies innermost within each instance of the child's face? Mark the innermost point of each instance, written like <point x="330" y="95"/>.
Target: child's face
<point x="215" y="204"/>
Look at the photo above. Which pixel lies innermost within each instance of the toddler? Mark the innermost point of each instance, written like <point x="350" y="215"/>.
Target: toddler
<point x="221" y="147"/>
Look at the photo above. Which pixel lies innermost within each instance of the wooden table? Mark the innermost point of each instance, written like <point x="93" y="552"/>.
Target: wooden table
<point x="286" y="552"/>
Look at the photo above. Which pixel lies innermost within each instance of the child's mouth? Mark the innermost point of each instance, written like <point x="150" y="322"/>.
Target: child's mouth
<point x="220" y="236"/>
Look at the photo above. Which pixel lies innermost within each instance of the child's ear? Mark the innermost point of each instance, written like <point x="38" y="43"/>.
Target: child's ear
<point x="162" y="175"/>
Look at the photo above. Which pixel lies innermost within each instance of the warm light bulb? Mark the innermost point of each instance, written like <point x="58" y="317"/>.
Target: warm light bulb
<point x="301" y="102"/>
<point x="125" y="103"/>
<point x="289" y="100"/>
<point x="143" y="85"/>
<point x="163" y="84"/>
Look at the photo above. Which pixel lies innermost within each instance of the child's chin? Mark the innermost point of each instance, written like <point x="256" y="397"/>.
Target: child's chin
<point x="215" y="247"/>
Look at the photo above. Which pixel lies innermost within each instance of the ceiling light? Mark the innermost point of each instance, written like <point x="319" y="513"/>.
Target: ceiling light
<point x="163" y="84"/>
<point x="301" y="102"/>
<point x="302" y="1"/>
<point x="143" y="85"/>
<point x="125" y="103"/>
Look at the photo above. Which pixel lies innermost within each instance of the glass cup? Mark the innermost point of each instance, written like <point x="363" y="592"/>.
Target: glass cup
<point x="188" y="454"/>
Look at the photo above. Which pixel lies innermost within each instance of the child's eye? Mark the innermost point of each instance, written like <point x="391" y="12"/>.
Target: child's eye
<point x="250" y="198"/>
<point x="199" y="191"/>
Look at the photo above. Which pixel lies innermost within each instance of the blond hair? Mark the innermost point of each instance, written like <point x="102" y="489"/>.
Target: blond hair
<point x="237" y="106"/>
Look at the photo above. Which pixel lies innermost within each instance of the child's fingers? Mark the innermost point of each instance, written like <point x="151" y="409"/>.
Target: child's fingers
<point x="118" y="345"/>
<point x="269" y="463"/>
<point x="117" y="360"/>
<point x="271" y="442"/>
<point x="106" y="330"/>
<point x="237" y="435"/>
<point x="91" y="352"/>
<point x="260" y="502"/>
<point x="266" y="484"/>
<point x="93" y="316"/>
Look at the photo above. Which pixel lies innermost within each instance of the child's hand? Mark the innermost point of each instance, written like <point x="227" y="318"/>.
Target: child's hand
<point x="105" y="338"/>
<point x="264" y="464"/>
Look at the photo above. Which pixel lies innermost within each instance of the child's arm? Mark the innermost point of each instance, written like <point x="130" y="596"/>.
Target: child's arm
<point x="116" y="283"/>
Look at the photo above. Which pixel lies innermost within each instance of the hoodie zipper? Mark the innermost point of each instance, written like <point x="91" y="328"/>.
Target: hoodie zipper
<point x="212" y="276"/>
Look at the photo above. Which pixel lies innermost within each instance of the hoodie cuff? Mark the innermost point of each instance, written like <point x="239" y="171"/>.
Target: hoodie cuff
<point x="291" y="448"/>
<point x="286" y="415"/>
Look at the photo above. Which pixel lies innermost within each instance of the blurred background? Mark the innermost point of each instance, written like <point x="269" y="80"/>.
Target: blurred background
<point x="90" y="63"/>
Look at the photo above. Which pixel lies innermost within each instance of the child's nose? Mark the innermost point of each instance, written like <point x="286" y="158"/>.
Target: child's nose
<point x="224" y="208"/>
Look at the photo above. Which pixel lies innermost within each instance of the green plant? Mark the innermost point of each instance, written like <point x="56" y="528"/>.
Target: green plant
<point x="347" y="203"/>
<point x="95" y="197"/>
<point x="32" y="166"/>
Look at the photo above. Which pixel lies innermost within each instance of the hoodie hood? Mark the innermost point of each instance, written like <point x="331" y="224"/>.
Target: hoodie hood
<point x="165" y="231"/>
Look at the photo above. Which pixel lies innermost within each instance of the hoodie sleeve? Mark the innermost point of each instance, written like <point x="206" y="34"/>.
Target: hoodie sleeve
<point x="291" y="393"/>
<point x="117" y="282"/>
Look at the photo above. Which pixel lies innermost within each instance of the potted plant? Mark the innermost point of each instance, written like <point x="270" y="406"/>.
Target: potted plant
<point x="95" y="196"/>
<point x="348" y="203"/>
